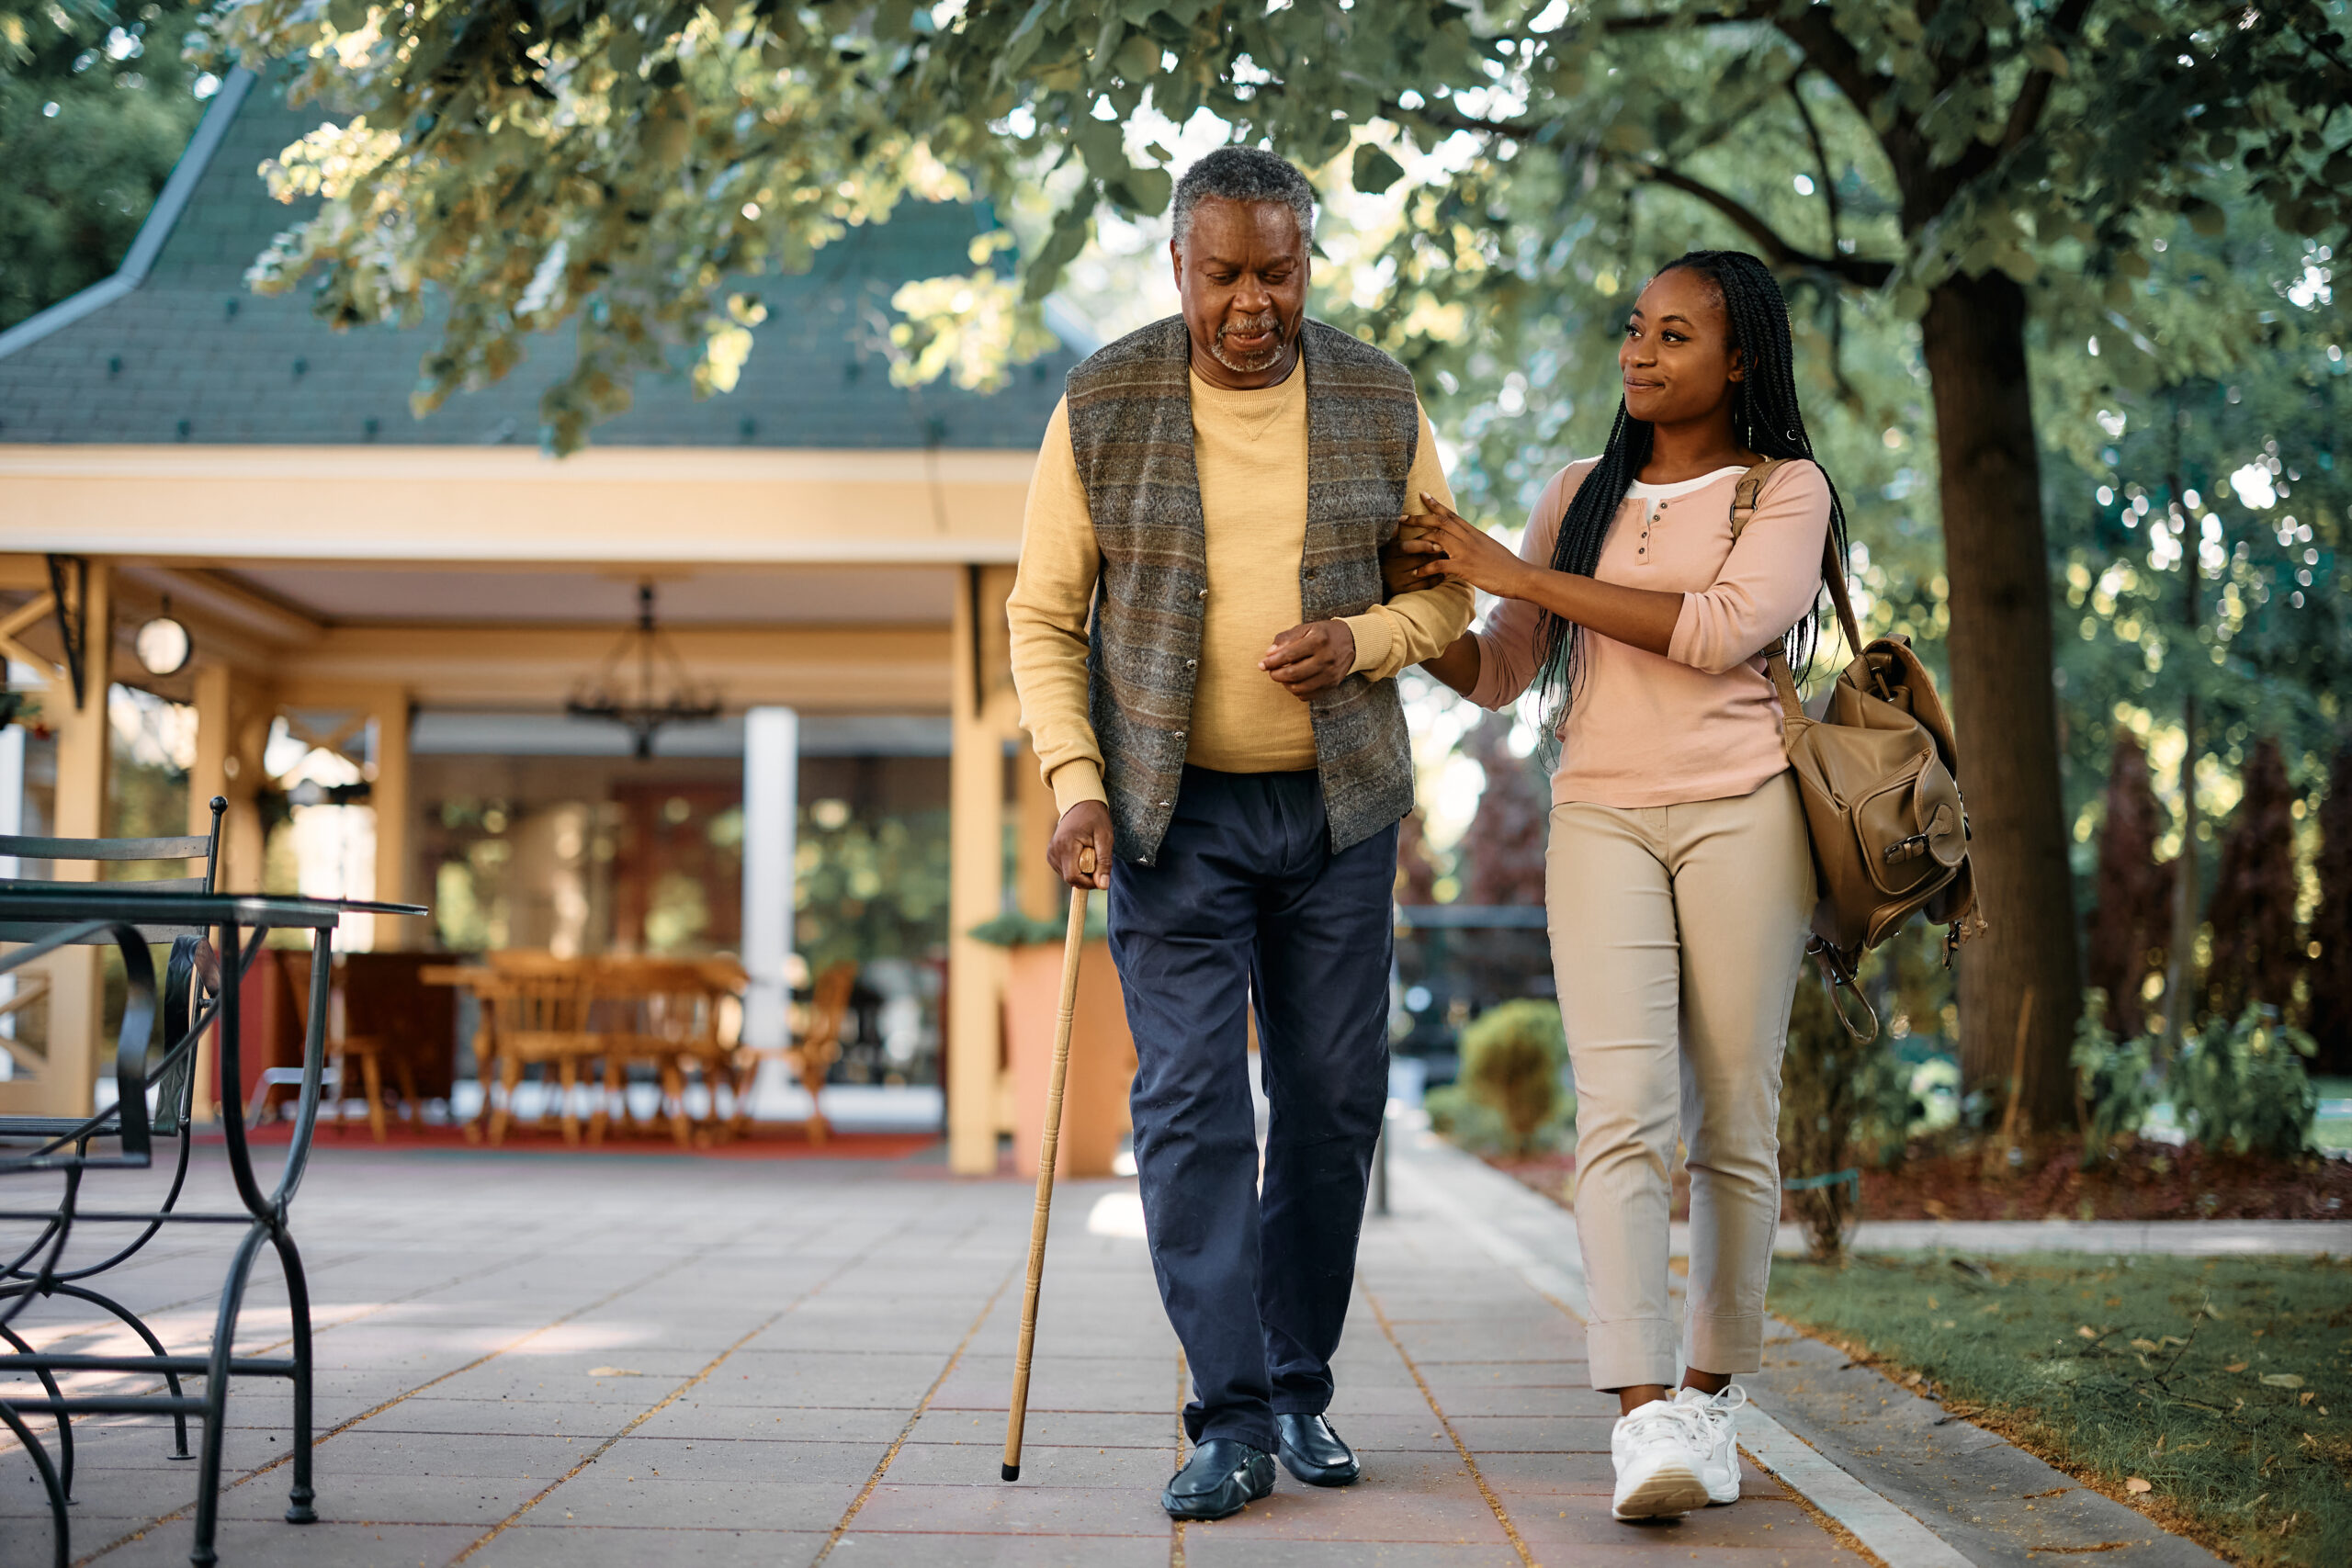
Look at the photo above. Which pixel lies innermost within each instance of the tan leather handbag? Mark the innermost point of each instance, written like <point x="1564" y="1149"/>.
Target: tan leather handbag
<point x="1877" y="772"/>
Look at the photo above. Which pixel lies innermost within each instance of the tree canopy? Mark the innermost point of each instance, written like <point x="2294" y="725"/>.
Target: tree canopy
<point x="620" y="163"/>
<point x="95" y="104"/>
<point x="1953" y="185"/>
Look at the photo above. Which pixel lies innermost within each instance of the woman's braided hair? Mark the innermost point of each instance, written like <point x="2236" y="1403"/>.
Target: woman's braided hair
<point x="1765" y="420"/>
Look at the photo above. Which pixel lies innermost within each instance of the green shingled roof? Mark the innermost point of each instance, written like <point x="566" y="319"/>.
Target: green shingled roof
<point x="188" y="353"/>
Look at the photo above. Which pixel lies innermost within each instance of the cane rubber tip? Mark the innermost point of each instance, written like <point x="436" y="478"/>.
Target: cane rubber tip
<point x="1009" y="1471"/>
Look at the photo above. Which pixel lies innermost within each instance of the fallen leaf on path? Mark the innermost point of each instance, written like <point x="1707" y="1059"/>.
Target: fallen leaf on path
<point x="2135" y="1486"/>
<point x="2283" y="1380"/>
<point x="2236" y="1367"/>
<point x="2088" y="1332"/>
<point x="614" y="1372"/>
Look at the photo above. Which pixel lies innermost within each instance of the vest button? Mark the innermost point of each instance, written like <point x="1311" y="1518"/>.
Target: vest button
<point x="1192" y="664"/>
<point x="1164" y="803"/>
<point x="1310" y="575"/>
<point x="1202" y="595"/>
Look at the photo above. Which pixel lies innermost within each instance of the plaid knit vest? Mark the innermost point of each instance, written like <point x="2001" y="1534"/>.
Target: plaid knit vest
<point x="1131" y="427"/>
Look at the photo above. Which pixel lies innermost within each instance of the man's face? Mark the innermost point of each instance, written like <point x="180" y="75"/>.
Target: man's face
<point x="1242" y="276"/>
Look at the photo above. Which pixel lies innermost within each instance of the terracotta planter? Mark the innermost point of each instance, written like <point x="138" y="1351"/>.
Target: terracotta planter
<point x="1101" y="1057"/>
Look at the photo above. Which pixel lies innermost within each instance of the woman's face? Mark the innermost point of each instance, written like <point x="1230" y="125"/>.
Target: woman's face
<point x="1676" y="360"/>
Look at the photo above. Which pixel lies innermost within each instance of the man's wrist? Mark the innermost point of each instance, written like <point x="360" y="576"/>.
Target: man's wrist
<point x="1077" y="782"/>
<point x="1370" y="634"/>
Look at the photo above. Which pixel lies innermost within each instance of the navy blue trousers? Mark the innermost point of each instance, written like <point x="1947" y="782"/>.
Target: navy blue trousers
<point x="1246" y="898"/>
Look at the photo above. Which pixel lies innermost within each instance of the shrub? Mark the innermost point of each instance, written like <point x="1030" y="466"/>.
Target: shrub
<point x="2239" y="1085"/>
<point x="2115" y="1081"/>
<point x="2242" y="1085"/>
<point x="1510" y="1097"/>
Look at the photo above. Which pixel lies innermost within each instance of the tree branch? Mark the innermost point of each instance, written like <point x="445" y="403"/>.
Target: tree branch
<point x="1860" y="271"/>
<point x="1440" y="112"/>
<point x="1829" y="200"/>
<point x="1833" y="54"/>
<point x="1652" y="21"/>
<point x="2033" y="95"/>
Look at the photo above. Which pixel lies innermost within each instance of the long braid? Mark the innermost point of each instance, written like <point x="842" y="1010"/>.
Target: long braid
<point x="1766" y="420"/>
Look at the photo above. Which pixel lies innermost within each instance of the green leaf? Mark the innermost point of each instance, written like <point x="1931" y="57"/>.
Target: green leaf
<point x="1373" y="170"/>
<point x="1145" y="191"/>
<point x="1139" y="59"/>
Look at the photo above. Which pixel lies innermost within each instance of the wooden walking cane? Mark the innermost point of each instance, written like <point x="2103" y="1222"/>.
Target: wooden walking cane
<point x="1048" y="1148"/>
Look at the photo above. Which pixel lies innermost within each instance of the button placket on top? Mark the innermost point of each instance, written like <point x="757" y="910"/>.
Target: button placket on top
<point x="1651" y="517"/>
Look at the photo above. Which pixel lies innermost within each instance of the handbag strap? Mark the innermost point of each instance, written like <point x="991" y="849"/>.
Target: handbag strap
<point x="1833" y="572"/>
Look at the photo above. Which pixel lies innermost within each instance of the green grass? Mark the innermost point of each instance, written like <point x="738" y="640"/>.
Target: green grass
<point x="2225" y="1383"/>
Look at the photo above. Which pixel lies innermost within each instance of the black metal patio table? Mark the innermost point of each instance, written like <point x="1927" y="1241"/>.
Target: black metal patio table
<point x="120" y="1137"/>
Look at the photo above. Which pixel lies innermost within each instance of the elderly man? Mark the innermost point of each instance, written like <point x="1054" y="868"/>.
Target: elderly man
<point x="1224" y="733"/>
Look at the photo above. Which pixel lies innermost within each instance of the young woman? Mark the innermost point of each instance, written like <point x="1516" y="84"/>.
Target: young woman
<point x="1679" y="878"/>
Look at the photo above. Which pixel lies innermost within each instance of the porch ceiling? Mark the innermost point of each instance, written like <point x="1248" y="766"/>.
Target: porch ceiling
<point x="736" y="596"/>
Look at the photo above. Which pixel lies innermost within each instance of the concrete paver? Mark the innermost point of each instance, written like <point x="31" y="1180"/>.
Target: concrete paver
<point x="591" y="1360"/>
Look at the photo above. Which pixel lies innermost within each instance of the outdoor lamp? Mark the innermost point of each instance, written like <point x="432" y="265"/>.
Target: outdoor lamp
<point x="162" y="644"/>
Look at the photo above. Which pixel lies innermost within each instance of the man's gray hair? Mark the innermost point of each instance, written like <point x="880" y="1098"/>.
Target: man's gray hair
<point x="1243" y="173"/>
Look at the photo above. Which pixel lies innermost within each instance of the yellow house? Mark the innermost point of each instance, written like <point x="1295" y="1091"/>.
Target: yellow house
<point x="828" y="550"/>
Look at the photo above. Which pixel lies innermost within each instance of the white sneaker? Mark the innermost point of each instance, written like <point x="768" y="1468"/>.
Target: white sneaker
<point x="1661" y="1451"/>
<point x="1719" y="1412"/>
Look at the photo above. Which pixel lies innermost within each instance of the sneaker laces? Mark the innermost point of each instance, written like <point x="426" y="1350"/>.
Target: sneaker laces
<point x="1718" y="1411"/>
<point x="1667" y="1418"/>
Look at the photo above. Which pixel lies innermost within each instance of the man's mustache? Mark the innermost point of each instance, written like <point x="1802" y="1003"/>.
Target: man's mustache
<point x="1251" y="325"/>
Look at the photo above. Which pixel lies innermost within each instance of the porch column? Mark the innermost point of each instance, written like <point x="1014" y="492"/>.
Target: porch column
<point x="976" y="882"/>
<point x="1043" y="896"/>
<point x="12" y="821"/>
<point x="207" y="778"/>
<point x="247" y="707"/>
<point x="76" y="1001"/>
<point x="770" y="804"/>
<point x="387" y="792"/>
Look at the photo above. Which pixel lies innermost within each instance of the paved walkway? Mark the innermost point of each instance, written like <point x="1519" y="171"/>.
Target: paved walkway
<point x="585" y="1362"/>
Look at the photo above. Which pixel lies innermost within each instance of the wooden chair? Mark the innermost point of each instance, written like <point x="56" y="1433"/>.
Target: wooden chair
<point x="665" y="1013"/>
<point x="810" y="1059"/>
<point x="539" y="1014"/>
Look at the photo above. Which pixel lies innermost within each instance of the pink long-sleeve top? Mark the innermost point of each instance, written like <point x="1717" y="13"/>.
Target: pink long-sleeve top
<point x="1700" y="723"/>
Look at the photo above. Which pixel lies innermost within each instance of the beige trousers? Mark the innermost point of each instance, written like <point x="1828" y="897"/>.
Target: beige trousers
<point x="1676" y="936"/>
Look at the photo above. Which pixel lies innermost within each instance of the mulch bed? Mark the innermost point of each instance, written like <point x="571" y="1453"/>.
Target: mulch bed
<point x="1940" y="1180"/>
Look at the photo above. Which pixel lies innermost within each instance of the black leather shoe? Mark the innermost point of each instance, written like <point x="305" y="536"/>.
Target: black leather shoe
<point x="1223" y="1476"/>
<point x="1314" y="1453"/>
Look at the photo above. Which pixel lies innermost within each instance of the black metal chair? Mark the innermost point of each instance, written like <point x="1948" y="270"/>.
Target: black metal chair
<point x="191" y="980"/>
<point x="201" y="989"/>
<point x="33" y="1269"/>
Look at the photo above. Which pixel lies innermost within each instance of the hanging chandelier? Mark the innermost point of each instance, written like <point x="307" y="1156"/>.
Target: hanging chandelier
<point x="644" y="711"/>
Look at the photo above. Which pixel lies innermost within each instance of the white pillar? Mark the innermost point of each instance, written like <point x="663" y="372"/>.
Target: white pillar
<point x="12" y="821"/>
<point x="771" y="802"/>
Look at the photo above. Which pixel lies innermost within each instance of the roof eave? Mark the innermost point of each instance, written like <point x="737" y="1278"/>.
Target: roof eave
<point x="161" y="219"/>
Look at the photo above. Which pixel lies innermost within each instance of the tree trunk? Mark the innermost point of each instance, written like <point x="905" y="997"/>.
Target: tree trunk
<point x="2019" y="980"/>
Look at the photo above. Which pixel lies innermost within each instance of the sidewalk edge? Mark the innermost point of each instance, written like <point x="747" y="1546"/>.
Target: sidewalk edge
<point x="1889" y="1531"/>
